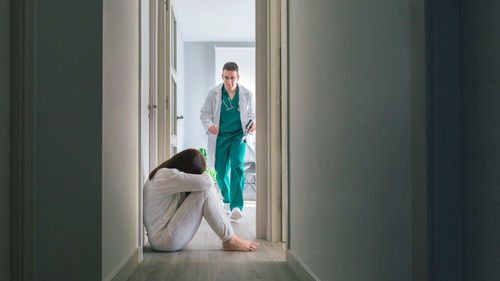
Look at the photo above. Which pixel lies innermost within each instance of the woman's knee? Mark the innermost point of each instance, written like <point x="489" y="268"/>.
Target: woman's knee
<point x="212" y="191"/>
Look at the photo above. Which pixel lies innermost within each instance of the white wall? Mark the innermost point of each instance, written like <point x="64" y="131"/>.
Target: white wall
<point x="120" y="132"/>
<point x="200" y="73"/>
<point x="4" y="140"/>
<point x="199" y="68"/>
<point x="350" y="183"/>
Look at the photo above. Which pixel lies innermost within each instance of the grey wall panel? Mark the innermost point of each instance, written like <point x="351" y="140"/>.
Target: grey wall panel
<point x="445" y="130"/>
<point x="5" y="139"/>
<point x="481" y="139"/>
<point x="68" y="140"/>
<point x="350" y="184"/>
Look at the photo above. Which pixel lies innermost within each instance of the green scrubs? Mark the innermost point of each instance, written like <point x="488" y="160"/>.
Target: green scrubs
<point x="230" y="151"/>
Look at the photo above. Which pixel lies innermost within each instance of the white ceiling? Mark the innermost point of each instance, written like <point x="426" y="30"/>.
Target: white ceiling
<point x="216" y="20"/>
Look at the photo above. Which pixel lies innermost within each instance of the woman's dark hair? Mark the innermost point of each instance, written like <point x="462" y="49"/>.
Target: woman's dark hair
<point x="189" y="161"/>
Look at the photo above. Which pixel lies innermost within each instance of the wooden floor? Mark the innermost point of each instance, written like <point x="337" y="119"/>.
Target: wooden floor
<point x="204" y="259"/>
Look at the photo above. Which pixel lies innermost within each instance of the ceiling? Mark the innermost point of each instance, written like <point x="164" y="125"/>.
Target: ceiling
<point x="216" y="20"/>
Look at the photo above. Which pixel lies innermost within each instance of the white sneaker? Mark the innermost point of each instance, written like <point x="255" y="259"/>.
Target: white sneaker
<point x="236" y="214"/>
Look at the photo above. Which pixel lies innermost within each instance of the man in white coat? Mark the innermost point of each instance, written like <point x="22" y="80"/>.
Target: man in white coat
<point x="228" y="117"/>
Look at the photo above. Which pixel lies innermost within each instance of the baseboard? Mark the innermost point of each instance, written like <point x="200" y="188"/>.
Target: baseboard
<point x="301" y="270"/>
<point x="125" y="269"/>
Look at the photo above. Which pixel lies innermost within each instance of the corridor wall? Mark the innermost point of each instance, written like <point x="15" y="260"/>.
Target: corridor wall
<point x="349" y="109"/>
<point x="66" y="114"/>
<point x="480" y="54"/>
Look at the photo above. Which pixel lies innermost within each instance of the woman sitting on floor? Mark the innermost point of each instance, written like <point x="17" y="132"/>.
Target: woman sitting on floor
<point x="177" y="195"/>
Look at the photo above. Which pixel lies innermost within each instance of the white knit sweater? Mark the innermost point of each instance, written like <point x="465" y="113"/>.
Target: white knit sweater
<point x="165" y="193"/>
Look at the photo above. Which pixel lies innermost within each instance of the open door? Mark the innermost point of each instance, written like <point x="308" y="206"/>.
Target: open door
<point x="167" y="81"/>
<point x="158" y="55"/>
<point x="163" y="80"/>
<point x="174" y="119"/>
<point x="162" y="89"/>
<point x="159" y="85"/>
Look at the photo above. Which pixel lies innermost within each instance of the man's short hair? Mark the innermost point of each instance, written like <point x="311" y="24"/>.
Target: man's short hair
<point x="229" y="66"/>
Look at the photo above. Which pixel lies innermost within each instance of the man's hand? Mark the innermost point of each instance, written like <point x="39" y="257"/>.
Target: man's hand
<point x="214" y="130"/>
<point x="252" y="128"/>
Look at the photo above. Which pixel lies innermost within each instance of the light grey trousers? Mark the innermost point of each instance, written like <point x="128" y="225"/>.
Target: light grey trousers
<point x="186" y="221"/>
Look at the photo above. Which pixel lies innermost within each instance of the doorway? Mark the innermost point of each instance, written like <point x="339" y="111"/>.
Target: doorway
<point x="175" y="94"/>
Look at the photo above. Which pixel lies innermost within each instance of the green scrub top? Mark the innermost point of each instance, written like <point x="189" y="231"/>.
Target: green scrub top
<point x="230" y="121"/>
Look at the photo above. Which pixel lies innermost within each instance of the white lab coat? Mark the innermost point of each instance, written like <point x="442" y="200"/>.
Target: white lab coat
<point x="210" y="115"/>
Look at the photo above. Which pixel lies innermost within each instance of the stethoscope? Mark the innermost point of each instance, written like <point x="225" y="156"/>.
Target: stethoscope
<point x="230" y="103"/>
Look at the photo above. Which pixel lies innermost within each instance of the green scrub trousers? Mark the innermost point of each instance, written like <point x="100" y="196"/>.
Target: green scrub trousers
<point x="230" y="152"/>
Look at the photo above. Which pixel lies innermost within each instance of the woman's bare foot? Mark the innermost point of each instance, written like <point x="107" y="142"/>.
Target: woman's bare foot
<point x="236" y="243"/>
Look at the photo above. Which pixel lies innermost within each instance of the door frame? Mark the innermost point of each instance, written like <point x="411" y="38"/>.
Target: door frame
<point x="271" y="43"/>
<point x="271" y="108"/>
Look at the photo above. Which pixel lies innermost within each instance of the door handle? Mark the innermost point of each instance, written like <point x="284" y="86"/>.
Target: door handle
<point x="151" y="107"/>
<point x="179" y="117"/>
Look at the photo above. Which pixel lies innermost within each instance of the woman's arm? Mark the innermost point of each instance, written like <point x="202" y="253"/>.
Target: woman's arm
<point x="176" y="181"/>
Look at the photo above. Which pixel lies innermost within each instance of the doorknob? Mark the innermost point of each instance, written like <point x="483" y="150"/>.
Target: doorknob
<point x="179" y="117"/>
<point x="151" y="107"/>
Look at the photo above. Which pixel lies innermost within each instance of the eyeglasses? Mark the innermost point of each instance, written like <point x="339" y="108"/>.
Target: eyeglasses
<point x="232" y="79"/>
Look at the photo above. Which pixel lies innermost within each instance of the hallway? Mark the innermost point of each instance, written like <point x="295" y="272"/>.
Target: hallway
<point x="205" y="260"/>
<point x="393" y="144"/>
